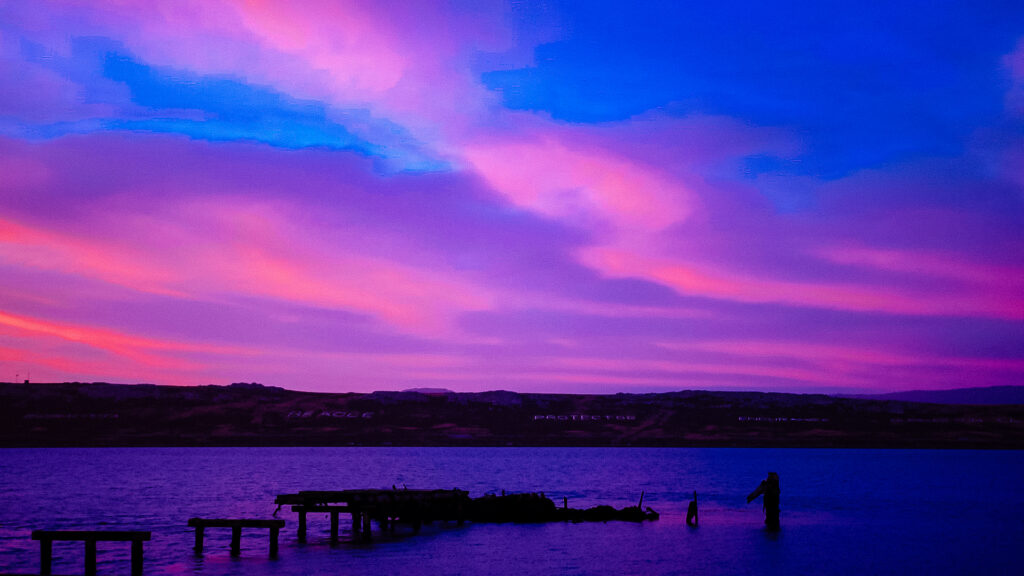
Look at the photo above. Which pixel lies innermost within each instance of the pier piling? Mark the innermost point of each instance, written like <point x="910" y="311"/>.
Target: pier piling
<point x="236" y="525"/>
<point x="236" y="540"/>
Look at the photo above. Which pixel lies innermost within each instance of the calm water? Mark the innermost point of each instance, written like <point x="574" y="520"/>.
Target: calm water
<point x="843" y="511"/>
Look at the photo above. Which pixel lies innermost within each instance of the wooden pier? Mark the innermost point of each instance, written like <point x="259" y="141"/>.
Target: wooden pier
<point x="90" y="537"/>
<point x="417" y="507"/>
<point x="386" y="507"/>
<point x="236" y="525"/>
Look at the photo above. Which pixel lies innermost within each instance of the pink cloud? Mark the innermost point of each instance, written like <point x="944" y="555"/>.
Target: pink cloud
<point x="408" y="65"/>
<point x="705" y="281"/>
<point x="630" y="229"/>
<point x="854" y="366"/>
<point x="573" y="184"/>
<point x="681" y="370"/>
<point x="843" y="358"/>
<point x="639" y="190"/>
<point x="343" y="40"/>
<point x="108" y="340"/>
<point x="157" y="231"/>
<point x="1007" y="279"/>
<point x="271" y="257"/>
<point x="635" y="177"/>
<point x="119" y="263"/>
<point x="211" y="249"/>
<point x="144" y="355"/>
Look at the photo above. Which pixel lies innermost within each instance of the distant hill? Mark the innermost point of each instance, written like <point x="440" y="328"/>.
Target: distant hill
<point x="430" y="391"/>
<point x="993" y="395"/>
<point x="99" y="414"/>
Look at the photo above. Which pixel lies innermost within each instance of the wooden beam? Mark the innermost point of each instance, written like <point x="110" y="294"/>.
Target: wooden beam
<point x="233" y="522"/>
<point x="94" y="535"/>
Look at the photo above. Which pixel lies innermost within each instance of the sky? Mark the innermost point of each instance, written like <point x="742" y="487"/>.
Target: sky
<point x="577" y="197"/>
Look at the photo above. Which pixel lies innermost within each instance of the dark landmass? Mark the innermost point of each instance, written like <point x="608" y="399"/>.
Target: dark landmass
<point x="99" y="414"/>
<point x="991" y="395"/>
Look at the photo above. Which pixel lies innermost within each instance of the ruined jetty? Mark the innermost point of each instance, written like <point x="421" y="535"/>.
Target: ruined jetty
<point x="536" y="507"/>
<point x="387" y="507"/>
<point x="414" y="508"/>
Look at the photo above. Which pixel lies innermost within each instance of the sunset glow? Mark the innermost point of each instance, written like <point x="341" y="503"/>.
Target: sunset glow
<point x="541" y="197"/>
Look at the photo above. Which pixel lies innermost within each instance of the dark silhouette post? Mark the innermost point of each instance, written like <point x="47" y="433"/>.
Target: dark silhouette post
<point x="691" y="511"/>
<point x="770" y="488"/>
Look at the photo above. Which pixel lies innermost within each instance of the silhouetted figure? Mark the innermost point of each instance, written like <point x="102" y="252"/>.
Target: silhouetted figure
<point x="691" y="511"/>
<point x="771" y="489"/>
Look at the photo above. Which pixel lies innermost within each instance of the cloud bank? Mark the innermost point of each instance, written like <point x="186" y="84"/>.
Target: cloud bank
<point x="347" y="196"/>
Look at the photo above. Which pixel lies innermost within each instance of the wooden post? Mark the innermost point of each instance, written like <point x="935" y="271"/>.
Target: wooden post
<point x="273" y="541"/>
<point x="199" y="540"/>
<point x="302" y="525"/>
<point x="357" y="522"/>
<point x="366" y="527"/>
<point x="90" y="558"/>
<point x="236" y="540"/>
<point x="136" y="557"/>
<point x="334" y="526"/>
<point x="45" y="556"/>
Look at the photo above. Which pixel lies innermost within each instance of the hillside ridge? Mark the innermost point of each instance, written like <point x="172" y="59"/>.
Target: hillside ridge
<point x="242" y="414"/>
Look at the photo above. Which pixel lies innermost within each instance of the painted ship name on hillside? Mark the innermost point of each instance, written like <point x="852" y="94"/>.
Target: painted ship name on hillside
<point x="306" y="414"/>
<point x="585" y="417"/>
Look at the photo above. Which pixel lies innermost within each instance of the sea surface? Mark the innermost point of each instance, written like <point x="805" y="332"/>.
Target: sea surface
<point x="924" y="512"/>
